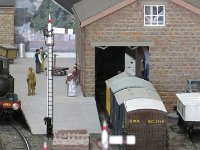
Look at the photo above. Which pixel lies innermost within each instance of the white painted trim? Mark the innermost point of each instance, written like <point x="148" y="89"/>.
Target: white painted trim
<point x="157" y="25"/>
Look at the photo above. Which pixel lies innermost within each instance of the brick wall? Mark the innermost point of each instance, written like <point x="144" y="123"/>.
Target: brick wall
<point x="174" y="58"/>
<point x="7" y="25"/>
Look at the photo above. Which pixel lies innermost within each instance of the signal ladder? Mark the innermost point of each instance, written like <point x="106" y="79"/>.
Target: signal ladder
<point x="50" y="43"/>
<point x="49" y="119"/>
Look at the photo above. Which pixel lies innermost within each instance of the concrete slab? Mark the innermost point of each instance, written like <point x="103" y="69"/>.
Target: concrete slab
<point x="70" y="113"/>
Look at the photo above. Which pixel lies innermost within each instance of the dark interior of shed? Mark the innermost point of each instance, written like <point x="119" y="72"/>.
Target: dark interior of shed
<point x="110" y="61"/>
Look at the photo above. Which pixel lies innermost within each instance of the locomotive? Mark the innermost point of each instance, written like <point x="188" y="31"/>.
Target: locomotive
<point x="135" y="108"/>
<point x="9" y="102"/>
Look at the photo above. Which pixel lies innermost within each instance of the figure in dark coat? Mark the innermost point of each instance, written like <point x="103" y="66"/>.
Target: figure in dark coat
<point x="37" y="61"/>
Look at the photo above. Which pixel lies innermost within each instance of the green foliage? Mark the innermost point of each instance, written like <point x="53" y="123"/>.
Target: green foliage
<point x="60" y="17"/>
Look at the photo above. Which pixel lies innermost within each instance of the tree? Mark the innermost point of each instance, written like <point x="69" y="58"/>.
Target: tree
<point x="61" y="18"/>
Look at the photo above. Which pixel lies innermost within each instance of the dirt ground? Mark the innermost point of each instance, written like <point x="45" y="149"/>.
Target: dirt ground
<point x="177" y="139"/>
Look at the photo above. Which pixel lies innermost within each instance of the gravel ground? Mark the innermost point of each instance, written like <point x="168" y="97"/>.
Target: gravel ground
<point x="177" y="139"/>
<point x="12" y="140"/>
<point x="36" y="141"/>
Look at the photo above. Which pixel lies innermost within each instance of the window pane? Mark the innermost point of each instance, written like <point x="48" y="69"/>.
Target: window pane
<point x="160" y="20"/>
<point x="160" y="10"/>
<point x="154" y="10"/>
<point x="154" y="15"/>
<point x="154" y="22"/>
<point x="147" y="20"/>
<point x="147" y="10"/>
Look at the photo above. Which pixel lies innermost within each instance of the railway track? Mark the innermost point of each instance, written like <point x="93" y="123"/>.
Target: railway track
<point x="179" y="139"/>
<point x="195" y="141"/>
<point x="192" y="139"/>
<point x="2" y="145"/>
<point x="190" y="142"/>
<point x="22" y="136"/>
<point x="12" y="137"/>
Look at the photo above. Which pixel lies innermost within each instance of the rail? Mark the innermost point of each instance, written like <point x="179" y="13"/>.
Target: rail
<point x="22" y="136"/>
<point x="2" y="147"/>
<point x="190" y="142"/>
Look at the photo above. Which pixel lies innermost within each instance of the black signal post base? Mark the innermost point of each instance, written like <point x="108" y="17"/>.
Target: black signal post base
<point x="47" y="121"/>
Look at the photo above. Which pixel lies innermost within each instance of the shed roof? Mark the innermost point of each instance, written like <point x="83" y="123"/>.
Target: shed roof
<point x="195" y="3"/>
<point x="88" y="12"/>
<point x="121" y="75"/>
<point x="144" y="103"/>
<point x="130" y="82"/>
<point x="7" y="3"/>
<point x="87" y="8"/>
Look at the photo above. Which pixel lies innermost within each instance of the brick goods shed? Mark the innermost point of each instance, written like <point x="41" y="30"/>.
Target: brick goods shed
<point x="160" y="37"/>
<point x="7" y="13"/>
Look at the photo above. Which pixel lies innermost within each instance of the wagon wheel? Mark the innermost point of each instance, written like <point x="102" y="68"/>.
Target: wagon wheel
<point x="62" y="73"/>
<point x="179" y="123"/>
<point x="184" y="127"/>
<point x="190" y="130"/>
<point x="65" y="72"/>
<point x="190" y="133"/>
<point x="11" y="61"/>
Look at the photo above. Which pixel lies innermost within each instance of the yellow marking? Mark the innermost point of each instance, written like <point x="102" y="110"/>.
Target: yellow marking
<point x="134" y="121"/>
<point x="155" y="121"/>
<point x="7" y="104"/>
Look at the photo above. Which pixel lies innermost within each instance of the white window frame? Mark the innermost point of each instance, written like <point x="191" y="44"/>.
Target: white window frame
<point x="151" y="15"/>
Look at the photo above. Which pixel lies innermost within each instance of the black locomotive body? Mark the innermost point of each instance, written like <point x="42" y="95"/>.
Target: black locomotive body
<point x="9" y="102"/>
<point x="137" y="109"/>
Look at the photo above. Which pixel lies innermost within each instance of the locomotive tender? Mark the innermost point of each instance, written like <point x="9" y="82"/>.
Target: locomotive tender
<point x="9" y="102"/>
<point x="137" y="109"/>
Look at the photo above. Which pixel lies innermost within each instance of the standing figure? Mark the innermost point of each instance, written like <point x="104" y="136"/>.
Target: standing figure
<point x="75" y="73"/>
<point x="37" y="61"/>
<point x="31" y="80"/>
<point x="43" y="56"/>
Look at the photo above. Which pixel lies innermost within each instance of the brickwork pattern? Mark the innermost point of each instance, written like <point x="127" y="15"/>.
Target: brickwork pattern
<point x="7" y="25"/>
<point x="174" y="58"/>
<point x="71" y="139"/>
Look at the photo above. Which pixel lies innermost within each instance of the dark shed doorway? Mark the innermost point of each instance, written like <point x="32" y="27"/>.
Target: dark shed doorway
<point x="112" y="60"/>
<point x="109" y="61"/>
